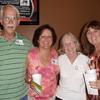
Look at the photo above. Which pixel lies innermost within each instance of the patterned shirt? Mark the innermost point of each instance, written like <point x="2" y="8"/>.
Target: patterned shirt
<point x="49" y="74"/>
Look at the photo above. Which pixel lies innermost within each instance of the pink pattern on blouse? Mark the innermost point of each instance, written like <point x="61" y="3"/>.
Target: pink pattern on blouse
<point x="49" y="74"/>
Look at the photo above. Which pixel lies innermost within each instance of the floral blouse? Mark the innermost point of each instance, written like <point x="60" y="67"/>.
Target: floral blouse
<point x="49" y="74"/>
<point x="96" y="60"/>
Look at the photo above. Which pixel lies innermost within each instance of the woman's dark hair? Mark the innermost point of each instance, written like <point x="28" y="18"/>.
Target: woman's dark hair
<point x="39" y="31"/>
<point x="87" y="47"/>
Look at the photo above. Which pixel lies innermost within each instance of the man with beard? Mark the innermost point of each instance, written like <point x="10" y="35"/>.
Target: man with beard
<point x="13" y="51"/>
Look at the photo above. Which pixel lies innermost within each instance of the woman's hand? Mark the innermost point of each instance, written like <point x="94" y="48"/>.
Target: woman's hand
<point x="28" y="77"/>
<point x="95" y="84"/>
<point x="33" y="87"/>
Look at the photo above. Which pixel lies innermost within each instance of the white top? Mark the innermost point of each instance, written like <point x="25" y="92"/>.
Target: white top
<point x="72" y="85"/>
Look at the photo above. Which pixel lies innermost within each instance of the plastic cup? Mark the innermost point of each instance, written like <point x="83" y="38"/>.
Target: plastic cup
<point x="92" y="76"/>
<point x="37" y="78"/>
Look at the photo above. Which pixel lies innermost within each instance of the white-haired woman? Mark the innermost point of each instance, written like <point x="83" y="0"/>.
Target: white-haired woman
<point x="73" y="65"/>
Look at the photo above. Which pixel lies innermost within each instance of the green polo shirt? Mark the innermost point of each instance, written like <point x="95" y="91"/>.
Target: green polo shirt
<point x="12" y="67"/>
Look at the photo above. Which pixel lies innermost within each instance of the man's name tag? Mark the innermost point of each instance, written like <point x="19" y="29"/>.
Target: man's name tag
<point x="19" y="42"/>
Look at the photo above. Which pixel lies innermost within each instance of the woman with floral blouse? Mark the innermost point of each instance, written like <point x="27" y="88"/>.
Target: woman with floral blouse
<point x="43" y="60"/>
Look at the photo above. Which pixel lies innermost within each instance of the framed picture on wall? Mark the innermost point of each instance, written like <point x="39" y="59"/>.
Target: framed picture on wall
<point x="29" y="10"/>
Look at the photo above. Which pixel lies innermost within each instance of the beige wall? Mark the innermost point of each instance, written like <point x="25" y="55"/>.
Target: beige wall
<point x="64" y="15"/>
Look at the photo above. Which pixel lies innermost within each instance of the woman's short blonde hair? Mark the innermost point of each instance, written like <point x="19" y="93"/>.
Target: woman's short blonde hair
<point x="74" y="39"/>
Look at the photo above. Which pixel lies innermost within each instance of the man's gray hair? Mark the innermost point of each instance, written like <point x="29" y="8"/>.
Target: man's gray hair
<point x="11" y="6"/>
